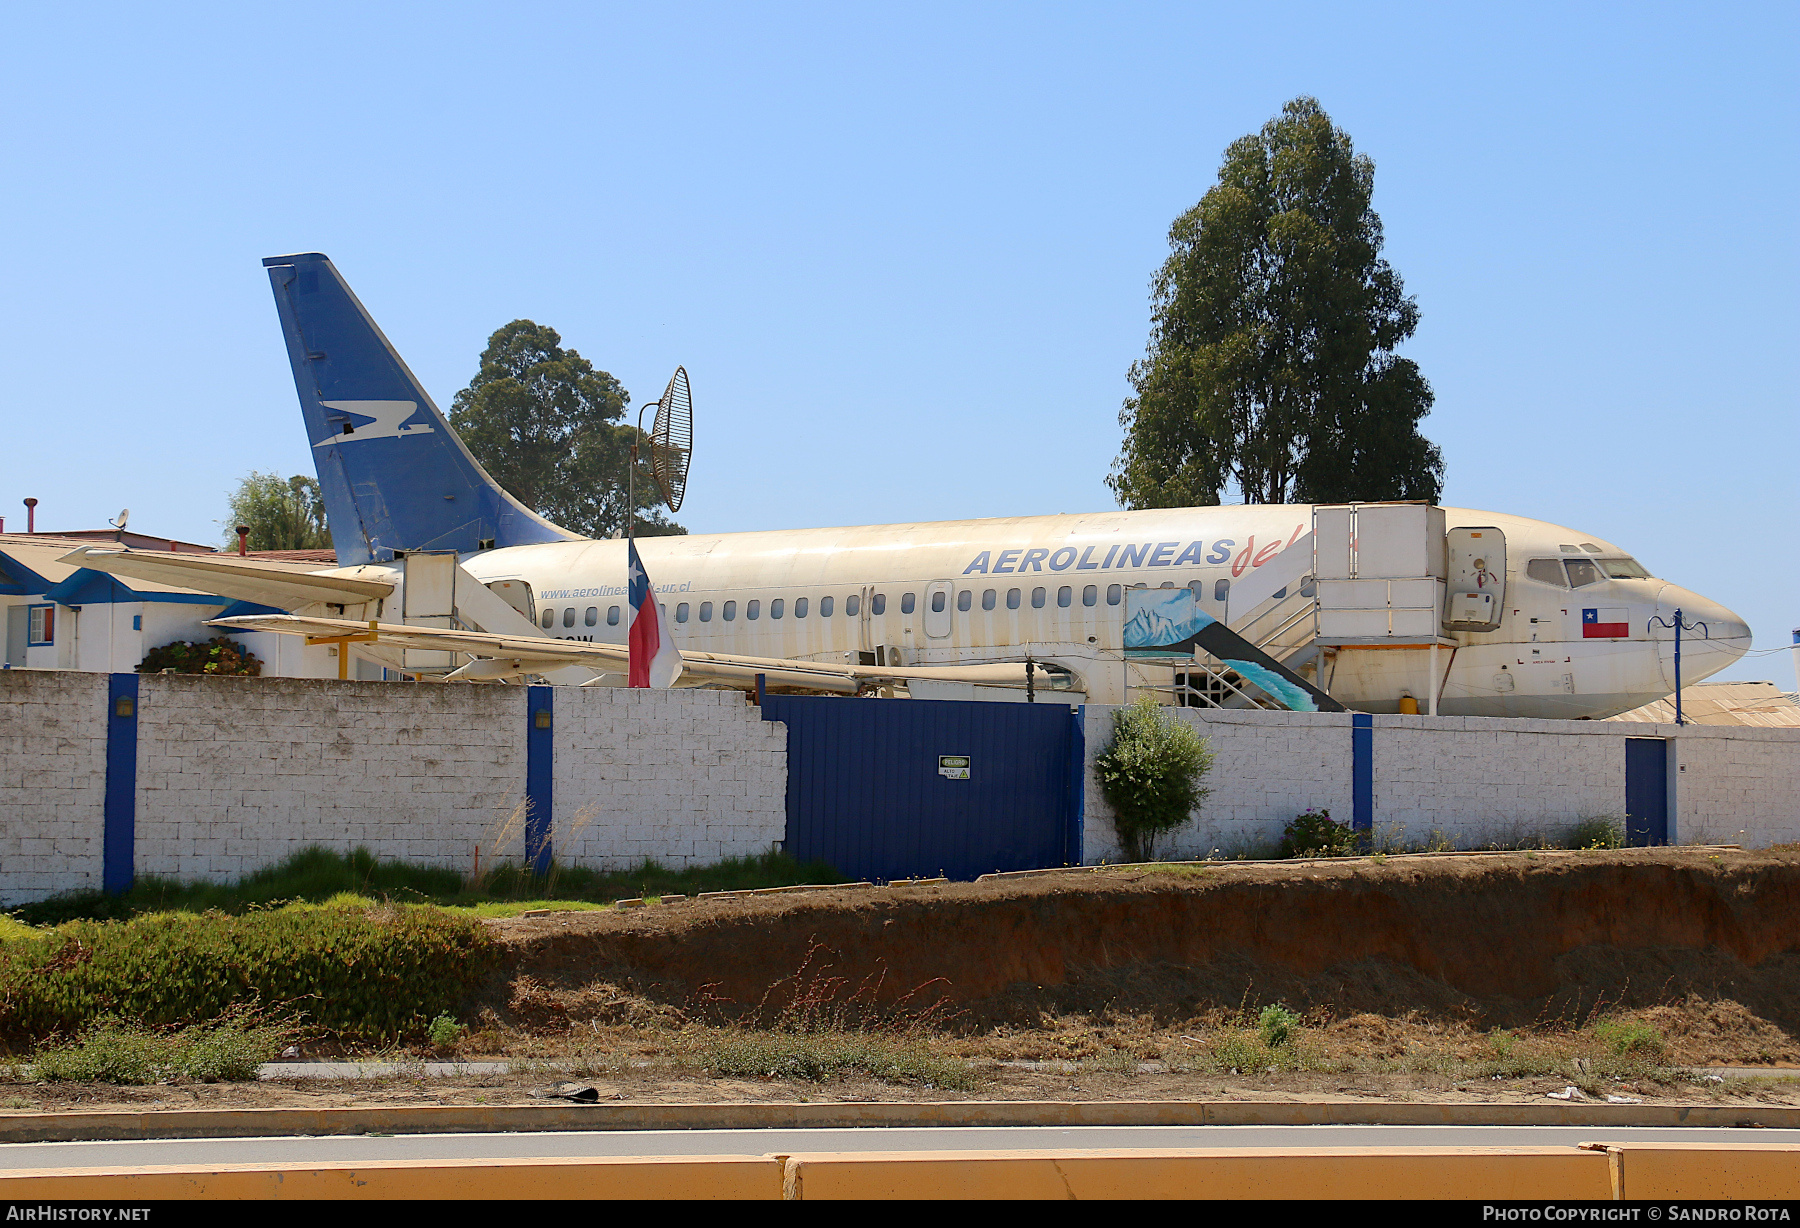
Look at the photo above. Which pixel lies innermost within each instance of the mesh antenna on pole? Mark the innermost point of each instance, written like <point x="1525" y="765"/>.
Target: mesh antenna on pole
<point x="672" y="439"/>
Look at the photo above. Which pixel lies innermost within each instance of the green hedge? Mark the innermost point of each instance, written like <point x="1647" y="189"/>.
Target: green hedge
<point x="348" y="970"/>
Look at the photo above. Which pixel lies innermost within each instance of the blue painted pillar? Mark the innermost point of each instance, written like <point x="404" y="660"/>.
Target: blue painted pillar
<point x="118" y="846"/>
<point x="540" y="760"/>
<point x="1362" y="772"/>
<point x="1077" y="785"/>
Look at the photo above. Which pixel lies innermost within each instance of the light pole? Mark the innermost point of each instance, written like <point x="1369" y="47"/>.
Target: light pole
<point x="1680" y="625"/>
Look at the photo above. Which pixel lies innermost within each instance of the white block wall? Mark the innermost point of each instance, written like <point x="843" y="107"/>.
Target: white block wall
<point x="1268" y="767"/>
<point x="236" y="773"/>
<point x="52" y="782"/>
<point x="1474" y="781"/>
<point x="683" y="777"/>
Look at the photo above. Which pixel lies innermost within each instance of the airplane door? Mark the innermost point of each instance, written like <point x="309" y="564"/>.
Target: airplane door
<point x="938" y="595"/>
<point x="517" y="594"/>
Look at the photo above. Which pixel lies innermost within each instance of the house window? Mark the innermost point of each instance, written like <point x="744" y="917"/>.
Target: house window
<point x="137" y="622"/>
<point x="43" y="625"/>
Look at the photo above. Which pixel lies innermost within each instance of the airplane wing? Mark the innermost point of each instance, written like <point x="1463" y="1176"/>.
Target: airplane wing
<point x="500" y="656"/>
<point x="263" y="581"/>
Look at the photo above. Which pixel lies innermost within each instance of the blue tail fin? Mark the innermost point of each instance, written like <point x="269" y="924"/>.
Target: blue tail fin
<point x="393" y="473"/>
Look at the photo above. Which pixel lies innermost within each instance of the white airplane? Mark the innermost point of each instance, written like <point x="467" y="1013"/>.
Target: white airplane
<point x="1377" y="607"/>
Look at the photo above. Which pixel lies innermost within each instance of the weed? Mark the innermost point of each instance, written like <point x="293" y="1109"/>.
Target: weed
<point x="444" y="1032"/>
<point x="1606" y="831"/>
<point x="1503" y="1044"/>
<point x="1314" y="833"/>
<point x="820" y="1056"/>
<point x="1276" y="1025"/>
<point x="227" y="1050"/>
<point x="1630" y="1036"/>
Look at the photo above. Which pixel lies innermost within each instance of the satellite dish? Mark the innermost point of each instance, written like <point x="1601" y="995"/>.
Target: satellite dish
<point x="124" y="515"/>
<point x="672" y="439"/>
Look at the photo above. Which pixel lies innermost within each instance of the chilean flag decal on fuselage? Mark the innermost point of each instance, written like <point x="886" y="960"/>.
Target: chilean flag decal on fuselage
<point x="655" y="661"/>
<point x="1605" y="624"/>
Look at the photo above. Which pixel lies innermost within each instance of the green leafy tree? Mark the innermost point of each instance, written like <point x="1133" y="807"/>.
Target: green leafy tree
<point x="547" y="426"/>
<point x="1150" y="774"/>
<point x="1271" y="367"/>
<point x="282" y="514"/>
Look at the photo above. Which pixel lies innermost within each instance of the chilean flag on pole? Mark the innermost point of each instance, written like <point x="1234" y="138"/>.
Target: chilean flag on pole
<point x="655" y="661"/>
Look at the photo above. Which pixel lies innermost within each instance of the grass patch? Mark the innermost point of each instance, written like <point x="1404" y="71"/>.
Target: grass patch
<point x="316" y="875"/>
<point x="229" y="1050"/>
<point x="1625" y="1037"/>
<point x="344" y="968"/>
<point x="823" y="1056"/>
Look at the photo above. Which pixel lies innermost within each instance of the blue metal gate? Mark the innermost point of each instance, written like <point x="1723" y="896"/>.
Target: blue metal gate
<point x="1646" y="791"/>
<point x="909" y="788"/>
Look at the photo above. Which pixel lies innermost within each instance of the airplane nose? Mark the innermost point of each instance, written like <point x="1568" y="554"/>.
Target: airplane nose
<point x="1712" y="636"/>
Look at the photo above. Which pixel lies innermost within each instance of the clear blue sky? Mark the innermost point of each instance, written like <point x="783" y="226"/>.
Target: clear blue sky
<point x="904" y="252"/>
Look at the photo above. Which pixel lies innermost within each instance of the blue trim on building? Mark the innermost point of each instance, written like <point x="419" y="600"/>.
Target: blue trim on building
<point x="118" y="854"/>
<point x="239" y="608"/>
<point x="89" y="587"/>
<point x="21" y="580"/>
<point x="1362" y="772"/>
<point x="540" y="762"/>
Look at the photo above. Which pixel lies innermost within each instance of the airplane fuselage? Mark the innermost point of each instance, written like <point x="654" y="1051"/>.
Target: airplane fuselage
<point x="1572" y="641"/>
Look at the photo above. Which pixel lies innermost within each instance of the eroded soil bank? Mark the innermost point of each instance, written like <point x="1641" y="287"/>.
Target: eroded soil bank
<point x="1493" y="941"/>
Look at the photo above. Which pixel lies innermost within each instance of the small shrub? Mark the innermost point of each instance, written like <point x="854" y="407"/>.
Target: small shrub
<point x="444" y="1032"/>
<point x="1316" y="834"/>
<point x="1630" y="1036"/>
<point x="1276" y="1025"/>
<point x="1150" y="774"/>
<point x="1604" y="831"/>
<point x="1503" y="1044"/>
<point x="219" y="656"/>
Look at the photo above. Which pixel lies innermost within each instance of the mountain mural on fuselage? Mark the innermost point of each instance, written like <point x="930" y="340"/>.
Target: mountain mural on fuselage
<point x="1053" y="587"/>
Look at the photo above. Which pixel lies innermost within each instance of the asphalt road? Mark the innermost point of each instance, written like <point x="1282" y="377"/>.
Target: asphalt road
<point x="365" y="1148"/>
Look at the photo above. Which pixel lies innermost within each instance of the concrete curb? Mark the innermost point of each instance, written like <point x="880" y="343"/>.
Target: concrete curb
<point x="500" y="1119"/>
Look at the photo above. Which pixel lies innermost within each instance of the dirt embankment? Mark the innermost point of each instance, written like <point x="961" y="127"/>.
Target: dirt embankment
<point x="1503" y="939"/>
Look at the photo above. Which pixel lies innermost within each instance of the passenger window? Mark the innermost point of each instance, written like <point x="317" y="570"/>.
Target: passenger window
<point x="906" y="603"/>
<point x="965" y="599"/>
<point x="1114" y="594"/>
<point x="878" y="604"/>
<point x="777" y="607"/>
<point x="753" y="609"/>
<point x="1583" y="573"/>
<point x="569" y="617"/>
<point x="937" y="602"/>
<point x="706" y="611"/>
<point x="824" y="607"/>
<point x="1065" y="596"/>
<point x="799" y="607"/>
<point x="1090" y="595"/>
<point x="852" y="604"/>
<point x="548" y="620"/>
<point x="1012" y="598"/>
<point x="681" y="612"/>
<point x="1546" y="571"/>
<point x="1037" y="598"/>
<point x="730" y="611"/>
<point x="987" y="599"/>
<point x="612" y="615"/>
<point x="1221" y="590"/>
<point x="592" y="617"/>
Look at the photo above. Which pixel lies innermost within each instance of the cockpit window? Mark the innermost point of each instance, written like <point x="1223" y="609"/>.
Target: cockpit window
<point x="1583" y="573"/>
<point x="1547" y="571"/>
<point x="1623" y="569"/>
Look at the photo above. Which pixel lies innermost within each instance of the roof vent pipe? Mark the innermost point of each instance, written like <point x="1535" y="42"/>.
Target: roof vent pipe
<point x="31" y="515"/>
<point x="243" y="532"/>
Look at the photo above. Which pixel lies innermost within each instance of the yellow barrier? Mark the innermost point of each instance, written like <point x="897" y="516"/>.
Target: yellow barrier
<point x="1703" y="1170"/>
<point x="1590" y="1172"/>
<point x="1238" y="1173"/>
<point x="663" y="1177"/>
